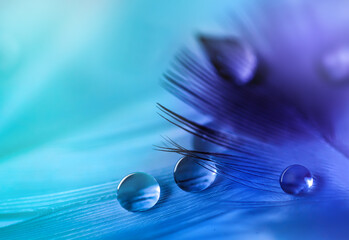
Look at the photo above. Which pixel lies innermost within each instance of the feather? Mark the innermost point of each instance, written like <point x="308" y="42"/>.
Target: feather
<point x="285" y="115"/>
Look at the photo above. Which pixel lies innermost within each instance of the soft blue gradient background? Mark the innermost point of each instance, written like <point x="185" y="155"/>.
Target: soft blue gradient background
<point x="79" y="81"/>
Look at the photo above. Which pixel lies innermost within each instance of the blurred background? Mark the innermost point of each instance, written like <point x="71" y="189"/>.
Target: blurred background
<point x="79" y="83"/>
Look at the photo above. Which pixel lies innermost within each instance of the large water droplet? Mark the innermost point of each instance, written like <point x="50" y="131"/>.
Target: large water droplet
<point x="138" y="192"/>
<point x="233" y="59"/>
<point x="296" y="179"/>
<point x="335" y="65"/>
<point x="193" y="175"/>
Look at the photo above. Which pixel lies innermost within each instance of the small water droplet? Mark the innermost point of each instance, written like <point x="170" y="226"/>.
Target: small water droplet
<point x="138" y="192"/>
<point x="193" y="175"/>
<point x="296" y="179"/>
<point x="232" y="58"/>
<point x="335" y="65"/>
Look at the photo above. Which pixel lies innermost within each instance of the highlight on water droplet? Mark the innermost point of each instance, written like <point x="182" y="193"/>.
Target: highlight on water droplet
<point x="233" y="59"/>
<point x="138" y="192"/>
<point x="194" y="175"/>
<point x="296" y="179"/>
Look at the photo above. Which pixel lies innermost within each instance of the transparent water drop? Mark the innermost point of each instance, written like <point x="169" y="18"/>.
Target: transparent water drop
<point x="232" y="58"/>
<point x="138" y="192"/>
<point x="296" y="179"/>
<point x="193" y="175"/>
<point x="335" y="65"/>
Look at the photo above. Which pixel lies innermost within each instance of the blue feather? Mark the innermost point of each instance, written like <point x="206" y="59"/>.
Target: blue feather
<point x="286" y="115"/>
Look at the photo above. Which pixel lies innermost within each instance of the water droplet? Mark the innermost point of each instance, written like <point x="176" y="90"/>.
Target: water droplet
<point x="138" y="192"/>
<point x="193" y="175"/>
<point x="336" y="65"/>
<point x="233" y="59"/>
<point x="296" y="179"/>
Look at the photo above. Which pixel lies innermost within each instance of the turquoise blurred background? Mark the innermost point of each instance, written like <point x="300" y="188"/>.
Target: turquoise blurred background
<point x="79" y="83"/>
